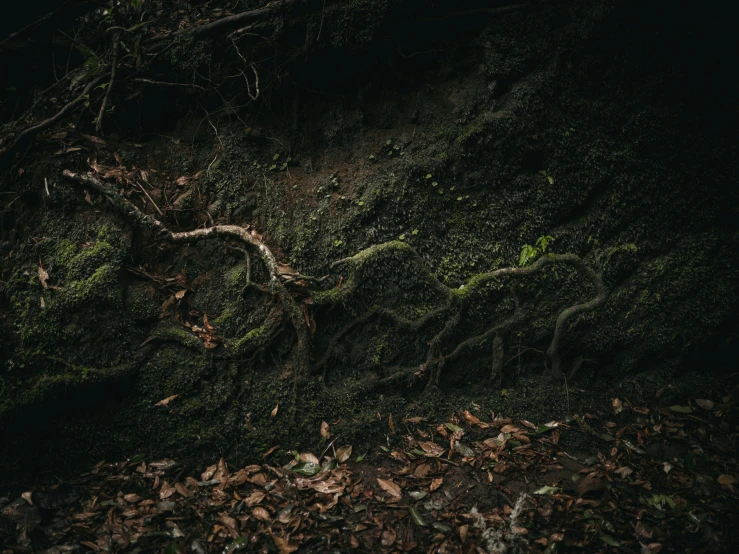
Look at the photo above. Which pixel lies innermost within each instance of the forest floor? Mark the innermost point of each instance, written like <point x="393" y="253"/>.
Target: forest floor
<point x="624" y="478"/>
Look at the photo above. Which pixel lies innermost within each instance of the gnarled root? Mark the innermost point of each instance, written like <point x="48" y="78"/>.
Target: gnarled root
<point x="275" y="286"/>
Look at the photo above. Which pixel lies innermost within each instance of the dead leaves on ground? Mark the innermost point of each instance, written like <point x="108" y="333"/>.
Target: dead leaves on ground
<point x="447" y="487"/>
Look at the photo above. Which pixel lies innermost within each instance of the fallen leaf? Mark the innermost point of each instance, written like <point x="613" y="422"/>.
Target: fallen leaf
<point x="682" y="409"/>
<point x="705" y="404"/>
<point x="431" y="449"/>
<point x="208" y="473"/>
<point x="726" y="479"/>
<point x="391" y="488"/>
<point x="43" y="276"/>
<point x="166" y="402"/>
<point x="388" y="536"/>
<point x="325" y="433"/>
<point x="254" y="498"/>
<point x="436" y="483"/>
<point x="617" y="406"/>
<point x="166" y="491"/>
<point x="27" y="497"/>
<point x="548" y="490"/>
<point x="283" y="546"/>
<point x="589" y="483"/>
<point x="307" y="468"/>
<point x="180" y="294"/>
<point x="391" y="424"/>
<point x="463" y="532"/>
<point x="343" y="454"/>
<point x="273" y="413"/>
<point x="260" y="513"/>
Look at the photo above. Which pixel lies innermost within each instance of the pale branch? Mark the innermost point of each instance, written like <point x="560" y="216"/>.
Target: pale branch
<point x="275" y="284"/>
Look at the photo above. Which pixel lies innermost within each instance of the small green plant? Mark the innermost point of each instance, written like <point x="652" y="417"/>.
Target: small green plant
<point x="530" y="253"/>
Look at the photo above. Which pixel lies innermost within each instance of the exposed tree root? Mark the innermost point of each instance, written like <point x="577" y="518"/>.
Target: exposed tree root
<point x="275" y="284"/>
<point x="451" y="307"/>
<point x="436" y="359"/>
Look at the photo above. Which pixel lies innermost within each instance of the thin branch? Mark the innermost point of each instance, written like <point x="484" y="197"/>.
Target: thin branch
<point x="113" y="67"/>
<point x="32" y="131"/>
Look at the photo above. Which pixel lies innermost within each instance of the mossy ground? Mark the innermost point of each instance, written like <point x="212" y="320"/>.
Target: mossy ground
<point x="463" y="154"/>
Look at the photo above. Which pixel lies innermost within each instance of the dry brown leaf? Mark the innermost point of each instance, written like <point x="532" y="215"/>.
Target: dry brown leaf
<point x="166" y="401"/>
<point x="133" y="498"/>
<point x="260" y="513"/>
<point x="166" y="491"/>
<point x="391" y="488"/>
<point x="436" y="483"/>
<point x="391" y="424"/>
<point x="208" y="473"/>
<point x="222" y="472"/>
<point x="254" y="498"/>
<point x="325" y="433"/>
<point x="309" y="457"/>
<point x="182" y="489"/>
<point x="473" y="420"/>
<point x="388" y="536"/>
<point x="343" y="454"/>
<point x="43" y="276"/>
<point x="27" y="497"/>
<point x="510" y="428"/>
<point x="705" y="404"/>
<point x="273" y="413"/>
<point x="589" y="483"/>
<point x="416" y="419"/>
<point x="463" y="532"/>
<point x="327" y="487"/>
<point x="617" y="406"/>
<point x="431" y="449"/>
<point x="180" y="294"/>
<point x="283" y="546"/>
<point x="726" y="479"/>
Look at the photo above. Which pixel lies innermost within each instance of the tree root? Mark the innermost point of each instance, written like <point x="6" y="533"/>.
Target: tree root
<point x="436" y="360"/>
<point x="275" y="284"/>
<point x="453" y="300"/>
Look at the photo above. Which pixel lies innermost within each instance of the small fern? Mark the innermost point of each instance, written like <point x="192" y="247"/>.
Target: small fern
<point x="530" y="253"/>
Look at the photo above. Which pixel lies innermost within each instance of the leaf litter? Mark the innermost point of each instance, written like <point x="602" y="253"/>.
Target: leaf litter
<point x="664" y="480"/>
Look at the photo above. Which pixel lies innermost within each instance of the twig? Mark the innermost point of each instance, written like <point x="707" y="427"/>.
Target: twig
<point x="113" y="67"/>
<point x="150" y="199"/>
<point x="220" y="25"/>
<point x="166" y="84"/>
<point x="320" y="28"/>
